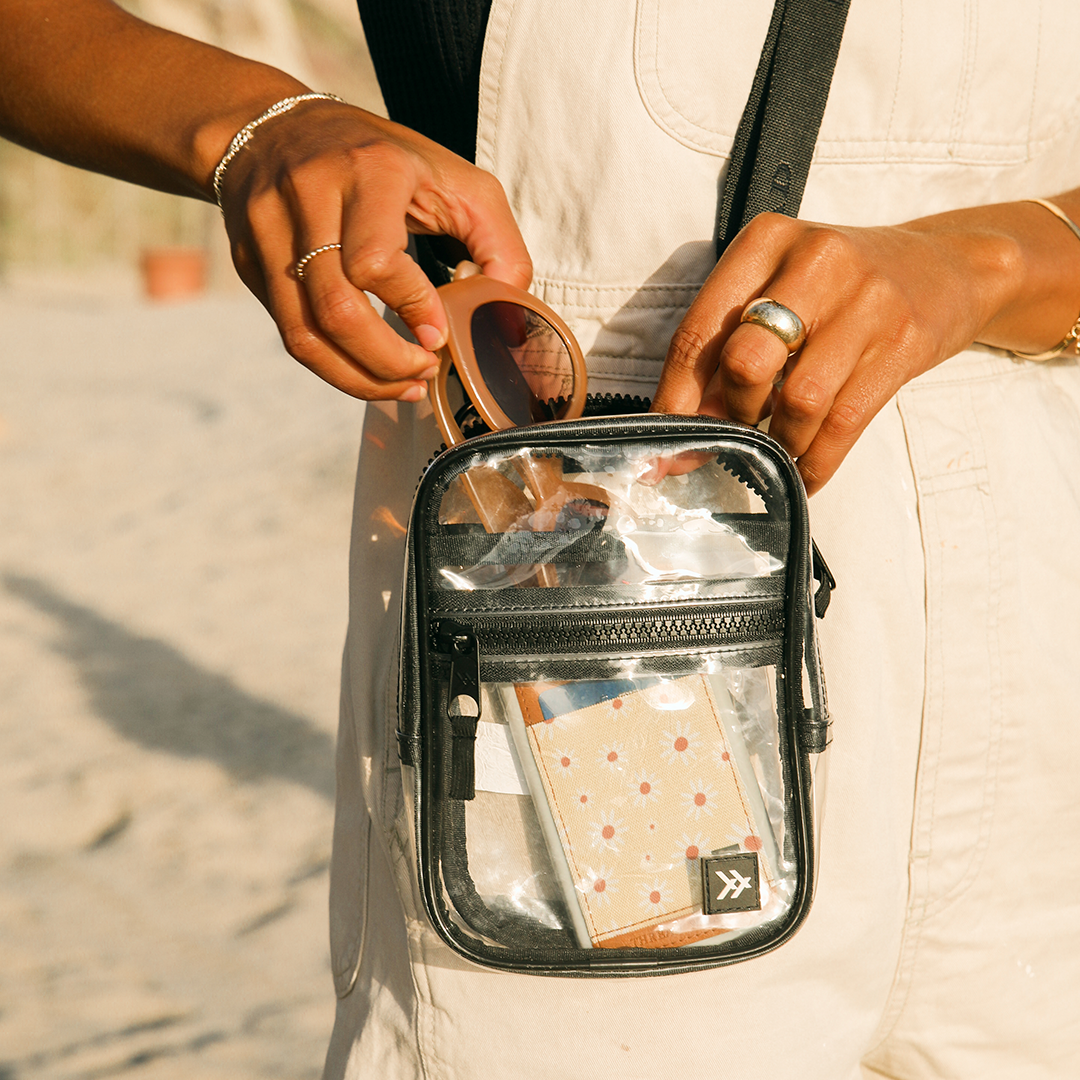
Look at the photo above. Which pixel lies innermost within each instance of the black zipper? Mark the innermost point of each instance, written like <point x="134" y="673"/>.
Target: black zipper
<point x="616" y="405"/>
<point x="458" y="643"/>
<point x="466" y="646"/>
<point x="688" y="629"/>
<point x="596" y="405"/>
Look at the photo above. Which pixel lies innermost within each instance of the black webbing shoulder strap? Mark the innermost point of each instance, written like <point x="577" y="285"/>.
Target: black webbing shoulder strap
<point x="775" y="141"/>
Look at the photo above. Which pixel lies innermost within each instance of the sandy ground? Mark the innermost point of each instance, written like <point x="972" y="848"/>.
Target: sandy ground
<point x="174" y="500"/>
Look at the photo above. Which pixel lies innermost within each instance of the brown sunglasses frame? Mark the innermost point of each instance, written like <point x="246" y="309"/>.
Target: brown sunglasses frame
<point x="460" y="299"/>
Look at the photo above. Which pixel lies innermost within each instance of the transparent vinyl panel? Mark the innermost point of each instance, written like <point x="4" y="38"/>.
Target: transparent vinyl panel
<point x="632" y="812"/>
<point x="672" y="527"/>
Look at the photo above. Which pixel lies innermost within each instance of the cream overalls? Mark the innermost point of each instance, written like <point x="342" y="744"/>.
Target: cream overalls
<point x="945" y="937"/>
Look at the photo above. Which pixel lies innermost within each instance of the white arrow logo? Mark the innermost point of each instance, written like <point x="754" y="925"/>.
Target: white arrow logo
<point x="736" y="882"/>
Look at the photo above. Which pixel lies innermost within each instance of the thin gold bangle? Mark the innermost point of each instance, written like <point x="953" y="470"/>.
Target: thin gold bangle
<point x="1072" y="339"/>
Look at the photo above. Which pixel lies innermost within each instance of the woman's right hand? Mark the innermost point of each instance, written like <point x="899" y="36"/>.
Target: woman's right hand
<point x="326" y="173"/>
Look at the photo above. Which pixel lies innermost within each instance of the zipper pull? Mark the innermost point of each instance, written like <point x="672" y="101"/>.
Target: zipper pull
<point x="463" y="703"/>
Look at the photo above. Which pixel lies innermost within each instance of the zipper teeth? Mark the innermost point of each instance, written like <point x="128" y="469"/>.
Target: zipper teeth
<point x="615" y="405"/>
<point x="596" y="406"/>
<point x="597" y="633"/>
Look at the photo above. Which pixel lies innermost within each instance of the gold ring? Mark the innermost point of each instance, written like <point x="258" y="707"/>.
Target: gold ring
<point x="778" y="320"/>
<point x="301" y="264"/>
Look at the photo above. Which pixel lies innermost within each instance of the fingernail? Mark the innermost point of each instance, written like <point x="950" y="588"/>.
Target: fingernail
<point x="430" y="338"/>
<point x="652" y="473"/>
<point x="430" y="373"/>
<point x="414" y="393"/>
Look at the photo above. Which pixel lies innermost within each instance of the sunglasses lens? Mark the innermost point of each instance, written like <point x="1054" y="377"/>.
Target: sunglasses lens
<point x="524" y="362"/>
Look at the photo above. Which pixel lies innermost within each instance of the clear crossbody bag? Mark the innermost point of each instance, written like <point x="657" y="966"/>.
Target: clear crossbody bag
<point x="611" y="703"/>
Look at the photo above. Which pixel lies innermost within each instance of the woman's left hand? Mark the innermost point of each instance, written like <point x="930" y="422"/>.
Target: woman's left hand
<point x="880" y="306"/>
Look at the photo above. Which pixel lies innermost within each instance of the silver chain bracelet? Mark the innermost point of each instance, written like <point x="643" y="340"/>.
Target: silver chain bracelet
<point x="243" y="136"/>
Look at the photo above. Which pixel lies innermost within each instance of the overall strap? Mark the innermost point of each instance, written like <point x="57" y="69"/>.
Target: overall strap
<point x="775" y="140"/>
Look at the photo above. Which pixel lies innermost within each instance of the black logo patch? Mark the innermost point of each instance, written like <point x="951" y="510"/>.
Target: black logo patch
<point x="731" y="883"/>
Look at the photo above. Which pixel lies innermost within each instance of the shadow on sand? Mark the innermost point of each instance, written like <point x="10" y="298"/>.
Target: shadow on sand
<point x="150" y="693"/>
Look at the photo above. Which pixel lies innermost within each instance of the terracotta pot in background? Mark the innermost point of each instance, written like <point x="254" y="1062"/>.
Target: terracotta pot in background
<point x="173" y="273"/>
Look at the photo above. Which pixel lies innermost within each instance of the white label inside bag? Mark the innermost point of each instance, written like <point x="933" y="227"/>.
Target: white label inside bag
<point x="497" y="767"/>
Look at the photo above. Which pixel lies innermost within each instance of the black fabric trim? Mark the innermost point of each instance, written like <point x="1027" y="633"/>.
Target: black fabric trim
<point x="427" y="55"/>
<point x="775" y="141"/>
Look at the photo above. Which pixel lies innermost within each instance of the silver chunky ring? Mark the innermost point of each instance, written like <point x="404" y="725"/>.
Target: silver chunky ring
<point x="778" y="320"/>
<point x="301" y="264"/>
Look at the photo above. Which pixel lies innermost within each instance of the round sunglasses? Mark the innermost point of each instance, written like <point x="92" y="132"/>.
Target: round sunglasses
<point x="509" y="360"/>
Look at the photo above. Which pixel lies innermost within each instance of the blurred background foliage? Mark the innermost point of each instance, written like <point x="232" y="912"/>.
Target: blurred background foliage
<point x="62" y="226"/>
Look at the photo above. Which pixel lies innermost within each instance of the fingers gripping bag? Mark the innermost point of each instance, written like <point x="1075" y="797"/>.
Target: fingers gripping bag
<point x="611" y="706"/>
